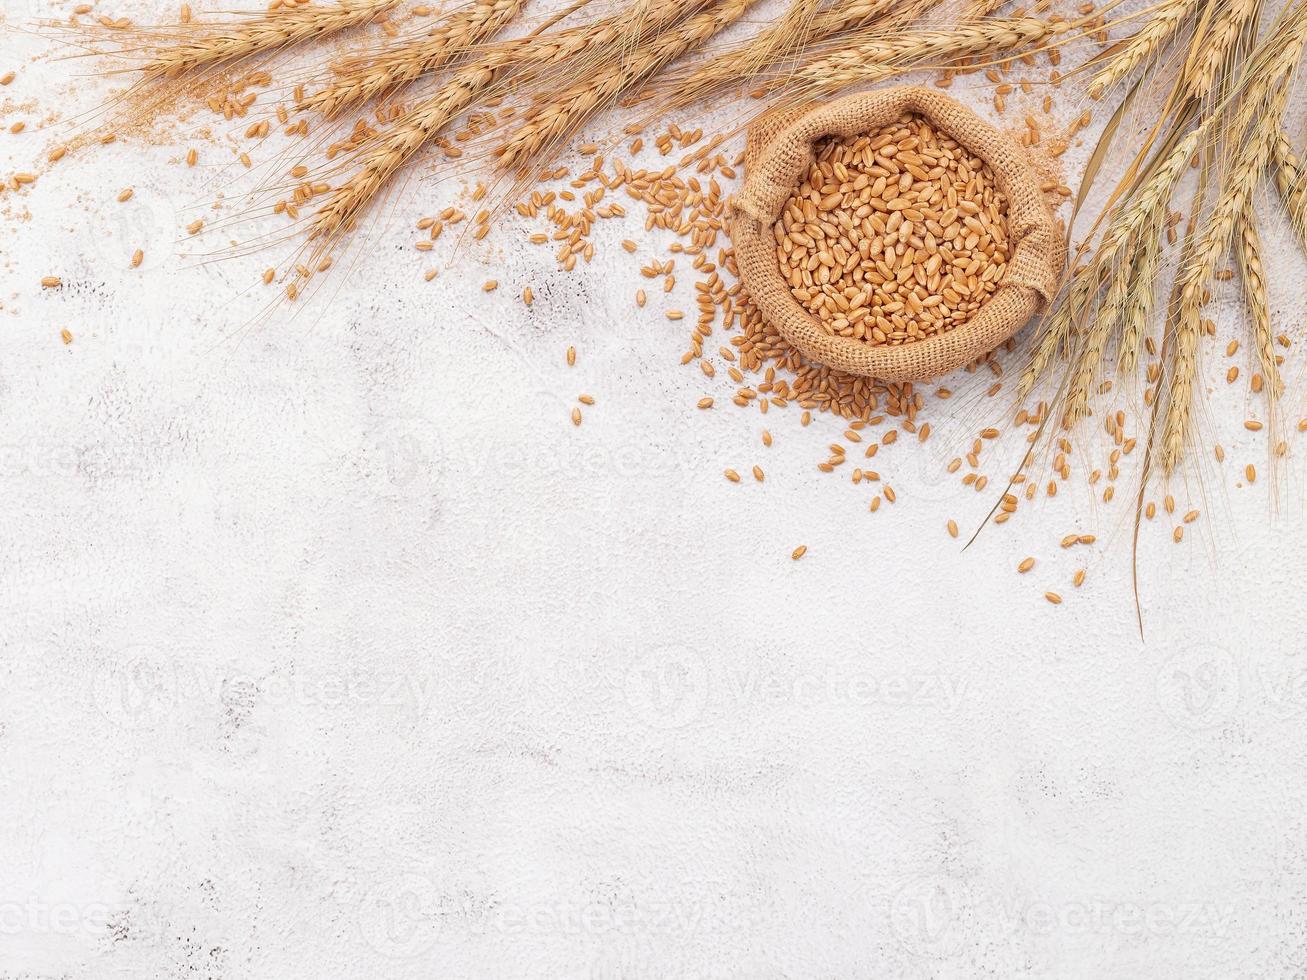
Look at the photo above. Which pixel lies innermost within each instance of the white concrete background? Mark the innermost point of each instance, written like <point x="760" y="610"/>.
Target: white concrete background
<point x="331" y="648"/>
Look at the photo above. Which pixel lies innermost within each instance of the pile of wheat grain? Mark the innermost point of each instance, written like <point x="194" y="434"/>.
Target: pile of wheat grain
<point x="894" y="237"/>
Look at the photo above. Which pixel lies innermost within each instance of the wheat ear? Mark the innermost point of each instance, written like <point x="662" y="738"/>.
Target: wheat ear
<point x="395" y="146"/>
<point x="1142" y="295"/>
<point x="1143" y="46"/>
<point x="803" y="25"/>
<point x="1253" y="276"/>
<point x="277" y="30"/>
<point x="1128" y="225"/>
<point x="365" y="76"/>
<point x="560" y="117"/>
<point x="880" y="58"/>
<point x="420" y="124"/>
<point x="1217" y="44"/>
<point x="1291" y="182"/>
<point x="1255" y="128"/>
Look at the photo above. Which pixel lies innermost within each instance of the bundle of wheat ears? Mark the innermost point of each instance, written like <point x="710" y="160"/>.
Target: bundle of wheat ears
<point x="511" y="89"/>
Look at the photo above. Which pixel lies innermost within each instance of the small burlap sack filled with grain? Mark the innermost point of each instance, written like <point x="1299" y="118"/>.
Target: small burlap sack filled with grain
<point x="919" y="279"/>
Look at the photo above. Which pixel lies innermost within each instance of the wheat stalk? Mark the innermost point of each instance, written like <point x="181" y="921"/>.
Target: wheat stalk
<point x="562" y="115"/>
<point x="277" y="30"/>
<point x="1143" y="46"/>
<point x="366" y="76"/>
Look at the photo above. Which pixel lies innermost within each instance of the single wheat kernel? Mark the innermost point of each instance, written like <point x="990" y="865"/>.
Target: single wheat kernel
<point x="586" y="399"/>
<point x="528" y="296"/>
<point x="732" y="476"/>
<point x="952" y="528"/>
<point x="125" y="195"/>
<point x="705" y="403"/>
<point x="799" y="552"/>
<point x="1250" y="471"/>
<point x="758" y="474"/>
<point x="50" y="282"/>
<point x="1178" y="534"/>
<point x="490" y="285"/>
<point x="6" y="78"/>
<point x="137" y="258"/>
<point x="194" y="227"/>
<point x="1026" y="565"/>
<point x="1079" y="580"/>
<point x="571" y="356"/>
<point x="1252" y="425"/>
<point x="1054" y="598"/>
<point x="576" y="416"/>
<point x="66" y="335"/>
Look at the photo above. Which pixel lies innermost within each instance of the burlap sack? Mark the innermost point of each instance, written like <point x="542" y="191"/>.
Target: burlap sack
<point x="778" y="154"/>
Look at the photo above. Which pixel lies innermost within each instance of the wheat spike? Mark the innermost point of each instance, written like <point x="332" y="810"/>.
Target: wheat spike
<point x="1291" y="182"/>
<point x="802" y="26"/>
<point x="559" y="117"/>
<point x="395" y="146"/>
<point x="1254" y="129"/>
<point x="1142" y="295"/>
<point x="274" y="31"/>
<point x="1089" y="358"/>
<point x="1129" y="224"/>
<point x="419" y="125"/>
<point x="1216" y="45"/>
<point x="1143" y="46"/>
<point x="880" y="58"/>
<point x="365" y="76"/>
<point x="1253" y="276"/>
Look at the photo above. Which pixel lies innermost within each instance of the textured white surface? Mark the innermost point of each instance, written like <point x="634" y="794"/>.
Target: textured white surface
<point x="331" y="648"/>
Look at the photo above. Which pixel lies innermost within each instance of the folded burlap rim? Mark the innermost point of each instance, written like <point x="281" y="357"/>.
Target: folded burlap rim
<point x="777" y="155"/>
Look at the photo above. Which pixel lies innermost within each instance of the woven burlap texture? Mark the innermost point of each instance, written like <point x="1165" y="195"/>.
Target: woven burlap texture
<point x="777" y="155"/>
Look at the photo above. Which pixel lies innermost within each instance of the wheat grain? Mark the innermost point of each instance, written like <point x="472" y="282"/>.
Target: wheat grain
<point x="839" y="236"/>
